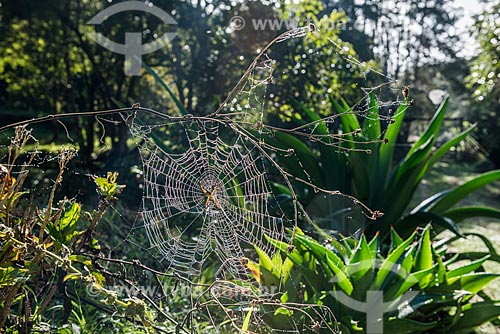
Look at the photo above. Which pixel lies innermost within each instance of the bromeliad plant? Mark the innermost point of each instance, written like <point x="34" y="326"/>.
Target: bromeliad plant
<point x="444" y="290"/>
<point x="362" y="165"/>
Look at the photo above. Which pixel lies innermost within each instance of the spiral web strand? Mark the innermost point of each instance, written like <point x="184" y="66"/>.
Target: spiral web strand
<point x="217" y="188"/>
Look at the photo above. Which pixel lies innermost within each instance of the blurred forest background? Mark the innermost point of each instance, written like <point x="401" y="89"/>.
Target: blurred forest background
<point x="49" y="64"/>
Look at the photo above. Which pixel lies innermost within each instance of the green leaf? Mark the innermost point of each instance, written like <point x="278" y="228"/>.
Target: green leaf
<point x="360" y="174"/>
<point x="98" y="277"/>
<point x="348" y="119"/>
<point x="350" y="326"/>
<point x="294" y="255"/>
<point x="424" y="257"/>
<point x="429" y="202"/>
<point x="441" y="269"/>
<point x="72" y="276"/>
<point x="246" y="322"/>
<point x="361" y="261"/>
<point x="402" y="185"/>
<point x="371" y="125"/>
<point x="396" y="240"/>
<point x="433" y="128"/>
<point x="282" y="190"/>
<point x="443" y="149"/>
<point x="70" y="217"/>
<point x="411" y="170"/>
<point x="458" y="193"/>
<point x="319" y="251"/>
<point x="475" y="282"/>
<point x="308" y="166"/>
<point x="391" y="134"/>
<point x="391" y="260"/>
<point x="408" y="259"/>
<point x="333" y="163"/>
<point x="340" y="278"/>
<point x="10" y="276"/>
<point x="374" y="244"/>
<point x="82" y="259"/>
<point x="420" y="219"/>
<point x="264" y="259"/>
<point x="283" y="311"/>
<point x="284" y="297"/>
<point x="456" y="273"/>
<point x="413" y="279"/>
<point x="460" y="214"/>
<point x="32" y="267"/>
<point x="474" y="315"/>
<point x="415" y="160"/>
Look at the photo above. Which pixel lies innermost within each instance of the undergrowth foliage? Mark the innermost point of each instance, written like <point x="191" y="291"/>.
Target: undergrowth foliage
<point x="43" y="238"/>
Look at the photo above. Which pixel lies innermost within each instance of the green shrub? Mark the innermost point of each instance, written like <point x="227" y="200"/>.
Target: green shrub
<point x="361" y="164"/>
<point x="44" y="247"/>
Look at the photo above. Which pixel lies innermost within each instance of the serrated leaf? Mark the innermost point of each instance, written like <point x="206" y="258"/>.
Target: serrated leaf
<point x="391" y="260"/>
<point x="424" y="257"/>
<point x="340" y="278"/>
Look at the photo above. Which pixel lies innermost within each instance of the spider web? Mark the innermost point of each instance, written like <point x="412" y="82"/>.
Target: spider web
<point x="209" y="199"/>
<point x="209" y="181"/>
<point x="215" y="188"/>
